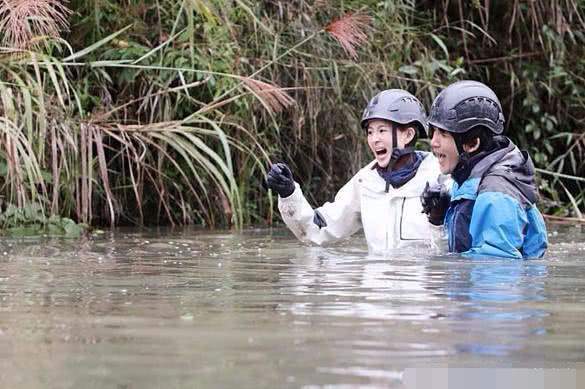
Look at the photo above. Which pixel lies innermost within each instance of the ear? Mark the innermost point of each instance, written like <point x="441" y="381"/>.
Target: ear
<point x="408" y="134"/>
<point x="473" y="146"/>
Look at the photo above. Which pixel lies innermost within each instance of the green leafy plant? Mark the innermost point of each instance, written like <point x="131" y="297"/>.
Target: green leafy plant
<point x="31" y="221"/>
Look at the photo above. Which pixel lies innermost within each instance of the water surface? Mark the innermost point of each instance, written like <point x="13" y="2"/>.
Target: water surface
<point x="189" y="308"/>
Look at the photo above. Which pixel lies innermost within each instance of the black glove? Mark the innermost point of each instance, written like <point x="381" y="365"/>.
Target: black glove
<point x="435" y="202"/>
<point x="280" y="180"/>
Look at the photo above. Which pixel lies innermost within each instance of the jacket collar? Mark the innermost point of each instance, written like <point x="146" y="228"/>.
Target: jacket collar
<point x="428" y="168"/>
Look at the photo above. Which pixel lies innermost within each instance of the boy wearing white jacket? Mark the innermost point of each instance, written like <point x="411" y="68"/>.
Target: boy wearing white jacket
<point x="383" y="198"/>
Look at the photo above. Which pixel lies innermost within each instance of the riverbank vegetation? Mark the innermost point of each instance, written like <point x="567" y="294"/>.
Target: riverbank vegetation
<point x="170" y="111"/>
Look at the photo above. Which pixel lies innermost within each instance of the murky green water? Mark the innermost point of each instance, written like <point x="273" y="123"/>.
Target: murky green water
<point x="258" y="309"/>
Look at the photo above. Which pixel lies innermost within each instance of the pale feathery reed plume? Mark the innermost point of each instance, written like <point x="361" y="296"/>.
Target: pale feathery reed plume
<point x="350" y="31"/>
<point x="273" y="96"/>
<point x="21" y="21"/>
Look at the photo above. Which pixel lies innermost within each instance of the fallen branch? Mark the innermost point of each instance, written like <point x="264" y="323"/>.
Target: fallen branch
<point x="563" y="219"/>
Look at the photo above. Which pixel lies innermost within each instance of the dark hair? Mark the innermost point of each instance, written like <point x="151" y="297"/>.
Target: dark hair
<point x="485" y="135"/>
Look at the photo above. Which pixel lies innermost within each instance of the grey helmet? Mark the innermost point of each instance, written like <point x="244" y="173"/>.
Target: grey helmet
<point x="464" y="105"/>
<point x="396" y="105"/>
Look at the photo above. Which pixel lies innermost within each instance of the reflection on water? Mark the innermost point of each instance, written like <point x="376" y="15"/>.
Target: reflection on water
<point x="258" y="309"/>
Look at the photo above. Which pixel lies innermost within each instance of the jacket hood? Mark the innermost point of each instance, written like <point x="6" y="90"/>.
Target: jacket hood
<point x="517" y="168"/>
<point x="507" y="162"/>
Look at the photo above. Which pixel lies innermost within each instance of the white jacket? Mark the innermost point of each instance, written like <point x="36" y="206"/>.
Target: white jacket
<point x="390" y="220"/>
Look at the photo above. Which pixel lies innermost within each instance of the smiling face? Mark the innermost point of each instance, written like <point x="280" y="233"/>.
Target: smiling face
<point x="380" y="139"/>
<point x="445" y="149"/>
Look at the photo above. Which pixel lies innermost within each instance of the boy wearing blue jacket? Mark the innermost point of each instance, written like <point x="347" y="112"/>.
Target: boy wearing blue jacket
<point x="490" y="210"/>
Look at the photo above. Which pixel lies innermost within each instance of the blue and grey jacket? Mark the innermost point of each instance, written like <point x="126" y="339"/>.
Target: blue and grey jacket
<point x="492" y="210"/>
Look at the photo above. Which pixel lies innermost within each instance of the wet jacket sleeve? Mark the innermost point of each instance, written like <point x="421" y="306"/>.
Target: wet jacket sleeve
<point x="496" y="227"/>
<point x="342" y="216"/>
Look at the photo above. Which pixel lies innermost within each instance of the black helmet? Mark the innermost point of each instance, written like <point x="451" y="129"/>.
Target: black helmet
<point x="398" y="106"/>
<point x="464" y="105"/>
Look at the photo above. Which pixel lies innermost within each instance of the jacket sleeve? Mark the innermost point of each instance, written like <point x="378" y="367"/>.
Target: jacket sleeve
<point x="496" y="227"/>
<point x="342" y="215"/>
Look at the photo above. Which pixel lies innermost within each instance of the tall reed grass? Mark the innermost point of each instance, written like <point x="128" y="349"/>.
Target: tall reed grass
<point x="169" y="111"/>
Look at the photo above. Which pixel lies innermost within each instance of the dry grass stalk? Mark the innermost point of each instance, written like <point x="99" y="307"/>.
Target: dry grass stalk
<point x="103" y="168"/>
<point x="272" y="96"/>
<point x="350" y="31"/>
<point x="21" y="21"/>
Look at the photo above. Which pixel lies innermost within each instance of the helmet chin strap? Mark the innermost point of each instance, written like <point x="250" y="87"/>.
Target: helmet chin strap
<point x="396" y="152"/>
<point x="459" y="143"/>
<point x="394" y="156"/>
<point x="463" y="155"/>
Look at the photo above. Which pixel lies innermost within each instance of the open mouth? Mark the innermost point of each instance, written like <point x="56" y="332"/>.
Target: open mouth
<point x="381" y="152"/>
<point x="440" y="156"/>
